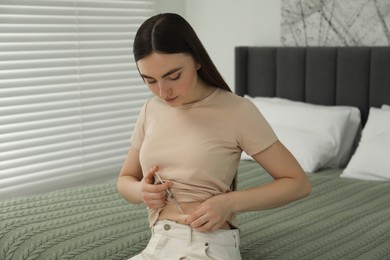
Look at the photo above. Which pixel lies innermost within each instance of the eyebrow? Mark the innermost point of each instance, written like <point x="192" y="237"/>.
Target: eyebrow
<point x="165" y="75"/>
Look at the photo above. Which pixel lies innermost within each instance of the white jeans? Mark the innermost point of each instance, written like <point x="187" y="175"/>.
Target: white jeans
<point x="171" y="240"/>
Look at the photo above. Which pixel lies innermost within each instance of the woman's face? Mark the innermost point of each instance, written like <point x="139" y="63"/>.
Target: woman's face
<point x="172" y="77"/>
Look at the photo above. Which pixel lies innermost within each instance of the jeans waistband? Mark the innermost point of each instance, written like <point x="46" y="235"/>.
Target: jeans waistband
<point x="185" y="232"/>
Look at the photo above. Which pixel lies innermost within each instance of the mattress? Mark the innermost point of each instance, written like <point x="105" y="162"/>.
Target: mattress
<point x="341" y="219"/>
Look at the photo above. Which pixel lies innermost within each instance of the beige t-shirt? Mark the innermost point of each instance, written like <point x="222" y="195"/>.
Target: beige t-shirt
<point x="198" y="146"/>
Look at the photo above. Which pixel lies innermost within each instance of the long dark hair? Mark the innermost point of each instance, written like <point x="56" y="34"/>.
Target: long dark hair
<point x="171" y="33"/>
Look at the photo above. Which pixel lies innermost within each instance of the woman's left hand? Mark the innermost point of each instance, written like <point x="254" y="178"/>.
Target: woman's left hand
<point x="211" y="215"/>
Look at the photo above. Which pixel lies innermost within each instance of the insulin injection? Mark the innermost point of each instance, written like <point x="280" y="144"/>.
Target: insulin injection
<point x="170" y="194"/>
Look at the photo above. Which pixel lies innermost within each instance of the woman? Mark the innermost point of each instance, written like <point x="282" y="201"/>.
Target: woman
<point x="191" y="134"/>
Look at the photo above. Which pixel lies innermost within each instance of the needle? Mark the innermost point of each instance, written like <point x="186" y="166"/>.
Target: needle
<point x="170" y="194"/>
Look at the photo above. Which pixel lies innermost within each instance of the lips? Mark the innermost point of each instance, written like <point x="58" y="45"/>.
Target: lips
<point x="170" y="100"/>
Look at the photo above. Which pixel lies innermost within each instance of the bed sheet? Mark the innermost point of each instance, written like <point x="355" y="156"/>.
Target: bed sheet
<point x="341" y="219"/>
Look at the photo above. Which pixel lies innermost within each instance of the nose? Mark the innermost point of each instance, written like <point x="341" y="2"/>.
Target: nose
<point x="164" y="91"/>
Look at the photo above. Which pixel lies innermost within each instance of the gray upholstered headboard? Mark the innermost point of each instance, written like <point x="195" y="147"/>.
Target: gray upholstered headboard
<point x="352" y="76"/>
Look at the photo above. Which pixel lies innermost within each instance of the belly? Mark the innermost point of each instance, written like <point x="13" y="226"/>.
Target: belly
<point x="170" y="212"/>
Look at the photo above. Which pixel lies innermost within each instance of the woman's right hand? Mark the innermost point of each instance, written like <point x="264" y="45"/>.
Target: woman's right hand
<point x="153" y="195"/>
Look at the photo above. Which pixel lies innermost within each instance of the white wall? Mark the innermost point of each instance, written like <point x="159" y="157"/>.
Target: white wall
<point x="172" y="6"/>
<point x="223" y="24"/>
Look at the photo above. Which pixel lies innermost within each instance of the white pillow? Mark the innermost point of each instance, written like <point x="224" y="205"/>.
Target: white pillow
<point x="371" y="160"/>
<point x="308" y="147"/>
<point x="386" y="107"/>
<point x="351" y="133"/>
<point x="330" y="129"/>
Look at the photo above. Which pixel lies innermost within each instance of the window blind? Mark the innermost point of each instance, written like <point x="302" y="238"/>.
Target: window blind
<point x="70" y="92"/>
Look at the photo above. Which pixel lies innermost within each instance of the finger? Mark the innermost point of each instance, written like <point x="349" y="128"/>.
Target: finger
<point x="149" y="177"/>
<point x="206" y="227"/>
<point x="156" y="203"/>
<point x="210" y="227"/>
<point x="157" y="188"/>
<point x="196" y="214"/>
<point x="154" y="195"/>
<point x="154" y="200"/>
<point x="197" y="223"/>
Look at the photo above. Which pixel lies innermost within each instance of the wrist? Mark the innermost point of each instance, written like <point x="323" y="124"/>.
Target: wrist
<point x="231" y="199"/>
<point x="130" y="189"/>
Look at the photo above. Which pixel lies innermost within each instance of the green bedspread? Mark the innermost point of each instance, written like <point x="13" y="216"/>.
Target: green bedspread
<point x="341" y="219"/>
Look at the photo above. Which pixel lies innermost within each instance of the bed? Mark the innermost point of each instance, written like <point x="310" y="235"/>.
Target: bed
<point x="344" y="217"/>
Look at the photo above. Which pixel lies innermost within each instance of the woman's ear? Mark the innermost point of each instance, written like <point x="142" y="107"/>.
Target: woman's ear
<point x="198" y="66"/>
